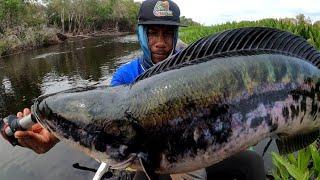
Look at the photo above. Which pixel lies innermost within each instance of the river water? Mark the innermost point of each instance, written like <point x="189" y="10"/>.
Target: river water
<point x="28" y="75"/>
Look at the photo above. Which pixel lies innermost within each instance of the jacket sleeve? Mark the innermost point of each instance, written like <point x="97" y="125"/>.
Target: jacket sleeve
<point x="117" y="78"/>
<point x="126" y="73"/>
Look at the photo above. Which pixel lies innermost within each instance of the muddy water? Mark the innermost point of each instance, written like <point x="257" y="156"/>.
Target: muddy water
<point x="28" y="75"/>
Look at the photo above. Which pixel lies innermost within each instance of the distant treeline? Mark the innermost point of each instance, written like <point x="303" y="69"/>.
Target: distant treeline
<point x="300" y="25"/>
<point x="73" y="16"/>
<point x="29" y="24"/>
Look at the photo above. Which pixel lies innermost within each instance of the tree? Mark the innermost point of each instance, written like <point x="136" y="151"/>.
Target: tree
<point x="73" y="16"/>
<point x="317" y="24"/>
<point x="188" y="21"/>
<point x="302" y="19"/>
<point x="10" y="12"/>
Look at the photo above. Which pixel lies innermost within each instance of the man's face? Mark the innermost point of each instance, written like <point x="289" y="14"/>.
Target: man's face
<point x="160" y="42"/>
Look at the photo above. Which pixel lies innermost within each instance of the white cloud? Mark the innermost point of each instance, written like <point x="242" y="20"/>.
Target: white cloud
<point x="217" y="11"/>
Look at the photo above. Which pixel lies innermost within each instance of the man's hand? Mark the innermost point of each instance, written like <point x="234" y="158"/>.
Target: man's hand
<point x="37" y="138"/>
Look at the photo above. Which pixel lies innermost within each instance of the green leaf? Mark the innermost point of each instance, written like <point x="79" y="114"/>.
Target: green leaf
<point x="304" y="156"/>
<point x="276" y="176"/>
<point x="292" y="158"/>
<point x="316" y="158"/>
<point x="280" y="169"/>
<point x="306" y="176"/>
<point x="293" y="171"/>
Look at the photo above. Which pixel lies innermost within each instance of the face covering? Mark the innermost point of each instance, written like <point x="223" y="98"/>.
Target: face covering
<point x="145" y="60"/>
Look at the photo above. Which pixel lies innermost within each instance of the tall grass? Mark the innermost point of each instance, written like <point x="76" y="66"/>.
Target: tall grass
<point x="301" y="27"/>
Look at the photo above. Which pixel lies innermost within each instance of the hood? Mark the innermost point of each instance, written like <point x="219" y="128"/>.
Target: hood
<point x="145" y="60"/>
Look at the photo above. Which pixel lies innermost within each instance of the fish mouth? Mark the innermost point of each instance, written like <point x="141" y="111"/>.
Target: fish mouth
<point x="88" y="137"/>
<point x="126" y="163"/>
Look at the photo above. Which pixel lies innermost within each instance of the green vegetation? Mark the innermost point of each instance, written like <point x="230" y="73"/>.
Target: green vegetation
<point x="303" y="165"/>
<point x="79" y="16"/>
<point x="25" y="24"/>
<point x="188" y="21"/>
<point x="69" y="15"/>
<point x="299" y="26"/>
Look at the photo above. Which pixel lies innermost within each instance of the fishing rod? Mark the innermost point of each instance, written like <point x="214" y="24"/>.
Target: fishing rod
<point x="9" y="125"/>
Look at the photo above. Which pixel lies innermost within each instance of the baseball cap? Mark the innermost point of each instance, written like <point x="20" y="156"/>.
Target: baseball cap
<point x="159" y="12"/>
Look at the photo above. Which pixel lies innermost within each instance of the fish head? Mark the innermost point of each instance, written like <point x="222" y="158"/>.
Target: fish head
<point x="80" y="119"/>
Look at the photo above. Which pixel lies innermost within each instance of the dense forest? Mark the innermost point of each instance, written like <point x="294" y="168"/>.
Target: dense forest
<point x="28" y="24"/>
<point x="72" y="16"/>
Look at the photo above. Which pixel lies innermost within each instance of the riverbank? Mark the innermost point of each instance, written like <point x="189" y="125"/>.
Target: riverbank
<point x="96" y="34"/>
<point x="20" y="39"/>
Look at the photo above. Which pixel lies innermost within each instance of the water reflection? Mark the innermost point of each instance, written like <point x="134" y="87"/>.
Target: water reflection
<point x="78" y="63"/>
<point x="28" y="75"/>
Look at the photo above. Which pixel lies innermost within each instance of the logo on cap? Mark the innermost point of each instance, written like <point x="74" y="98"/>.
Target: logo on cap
<point x="162" y="9"/>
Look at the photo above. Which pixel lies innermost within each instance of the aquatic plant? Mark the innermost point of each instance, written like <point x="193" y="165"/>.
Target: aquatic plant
<point x="302" y="165"/>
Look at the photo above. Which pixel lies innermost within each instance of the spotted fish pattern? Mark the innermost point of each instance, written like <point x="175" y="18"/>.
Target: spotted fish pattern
<point x="219" y="96"/>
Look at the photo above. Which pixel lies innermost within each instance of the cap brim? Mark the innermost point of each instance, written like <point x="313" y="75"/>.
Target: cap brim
<point x="161" y="23"/>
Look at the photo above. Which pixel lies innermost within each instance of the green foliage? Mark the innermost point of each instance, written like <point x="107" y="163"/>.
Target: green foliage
<point x="69" y="15"/>
<point x="34" y="15"/>
<point x="3" y="46"/>
<point x="299" y="26"/>
<point x="18" y="12"/>
<point x="10" y="11"/>
<point x="21" y="38"/>
<point x="303" y="165"/>
<point x="79" y="15"/>
<point x="316" y="160"/>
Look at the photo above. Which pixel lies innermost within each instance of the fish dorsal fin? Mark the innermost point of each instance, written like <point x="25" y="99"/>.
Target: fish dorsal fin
<point x="287" y="145"/>
<point x="241" y="41"/>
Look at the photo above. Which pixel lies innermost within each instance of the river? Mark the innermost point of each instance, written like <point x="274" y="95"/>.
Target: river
<point x="28" y="75"/>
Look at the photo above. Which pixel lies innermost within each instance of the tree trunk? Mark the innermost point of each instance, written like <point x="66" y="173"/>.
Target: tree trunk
<point x="117" y="26"/>
<point x="70" y="17"/>
<point x="62" y="20"/>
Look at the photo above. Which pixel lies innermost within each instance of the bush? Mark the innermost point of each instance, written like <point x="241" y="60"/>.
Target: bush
<point x="22" y="38"/>
<point x="3" y="47"/>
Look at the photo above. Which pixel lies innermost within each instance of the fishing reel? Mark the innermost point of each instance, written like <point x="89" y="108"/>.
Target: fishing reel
<point x="9" y="125"/>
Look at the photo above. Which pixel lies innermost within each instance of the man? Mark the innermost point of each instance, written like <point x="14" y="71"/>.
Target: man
<point x="157" y="30"/>
<point x="158" y="23"/>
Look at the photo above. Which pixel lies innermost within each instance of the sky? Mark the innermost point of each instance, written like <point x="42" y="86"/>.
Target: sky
<point x="211" y="12"/>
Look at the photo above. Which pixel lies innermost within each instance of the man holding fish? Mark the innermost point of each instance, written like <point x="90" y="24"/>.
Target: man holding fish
<point x="158" y="23"/>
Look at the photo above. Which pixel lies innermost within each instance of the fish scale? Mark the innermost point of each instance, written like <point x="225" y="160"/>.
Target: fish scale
<point x="217" y="97"/>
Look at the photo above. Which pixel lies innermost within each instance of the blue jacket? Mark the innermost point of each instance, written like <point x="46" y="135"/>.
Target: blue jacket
<point x="127" y="73"/>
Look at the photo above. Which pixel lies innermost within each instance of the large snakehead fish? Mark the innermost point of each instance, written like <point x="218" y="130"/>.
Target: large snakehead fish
<point x="217" y="97"/>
